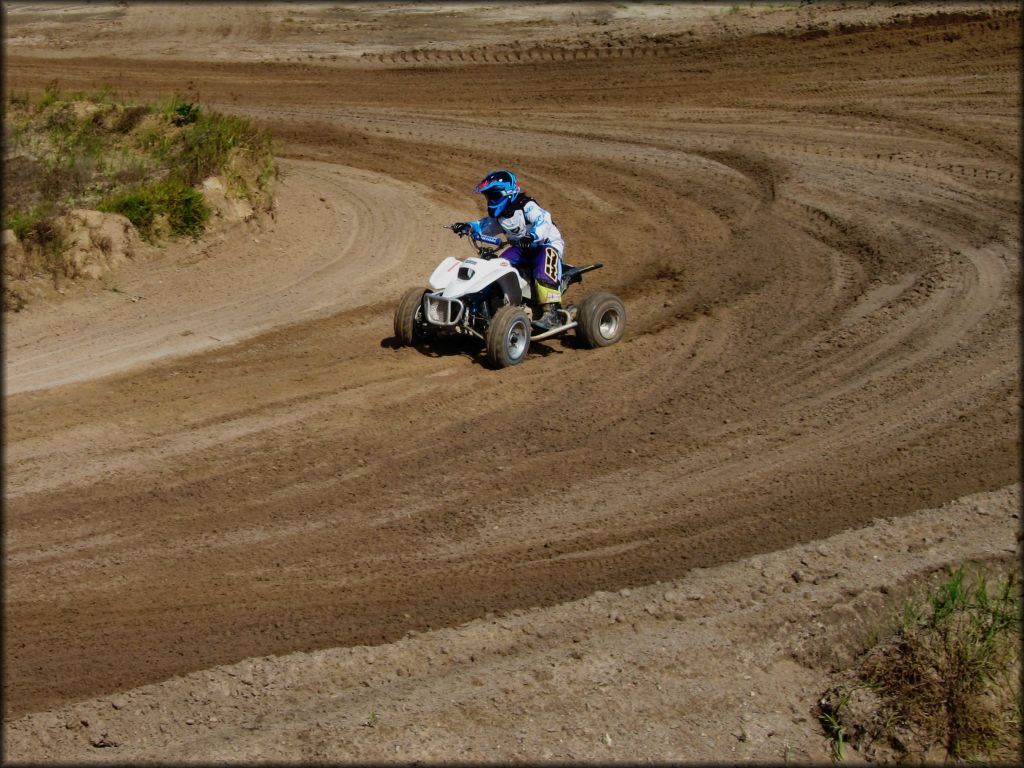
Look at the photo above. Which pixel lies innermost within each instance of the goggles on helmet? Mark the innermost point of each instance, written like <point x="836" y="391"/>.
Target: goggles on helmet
<point x="498" y="187"/>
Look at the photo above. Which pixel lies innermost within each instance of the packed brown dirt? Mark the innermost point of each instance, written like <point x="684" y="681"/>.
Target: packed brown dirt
<point x="812" y="214"/>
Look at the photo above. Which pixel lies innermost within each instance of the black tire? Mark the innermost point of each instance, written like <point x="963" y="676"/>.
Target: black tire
<point x="410" y="327"/>
<point x="508" y="337"/>
<point x="602" y="320"/>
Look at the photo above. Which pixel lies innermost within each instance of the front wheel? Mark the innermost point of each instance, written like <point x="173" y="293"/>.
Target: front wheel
<point x="410" y="327"/>
<point x="602" y="320"/>
<point x="507" y="337"/>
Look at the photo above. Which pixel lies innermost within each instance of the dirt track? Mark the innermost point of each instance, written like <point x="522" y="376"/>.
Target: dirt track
<point x="816" y="236"/>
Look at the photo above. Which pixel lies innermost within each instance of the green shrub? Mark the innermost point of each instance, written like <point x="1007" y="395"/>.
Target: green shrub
<point x="948" y="676"/>
<point x="60" y="124"/>
<point x="35" y="228"/>
<point x="138" y="206"/>
<point x="51" y="93"/>
<point x="186" y="211"/>
<point x="954" y="660"/>
<point x="182" y="112"/>
<point x="106" y="159"/>
<point x="207" y="144"/>
<point x="22" y="222"/>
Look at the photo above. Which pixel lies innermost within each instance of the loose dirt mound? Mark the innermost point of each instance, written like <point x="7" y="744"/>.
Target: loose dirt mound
<point x="97" y="243"/>
<point x="84" y="178"/>
<point x="816" y="236"/>
<point x="85" y="244"/>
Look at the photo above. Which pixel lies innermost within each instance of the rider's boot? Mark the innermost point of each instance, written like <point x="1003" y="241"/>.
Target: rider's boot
<point x="549" y="318"/>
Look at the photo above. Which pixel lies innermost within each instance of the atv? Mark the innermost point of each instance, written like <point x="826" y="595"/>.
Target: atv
<point x="488" y="298"/>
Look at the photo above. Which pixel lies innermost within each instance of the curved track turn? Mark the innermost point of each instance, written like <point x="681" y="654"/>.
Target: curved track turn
<point x="816" y="238"/>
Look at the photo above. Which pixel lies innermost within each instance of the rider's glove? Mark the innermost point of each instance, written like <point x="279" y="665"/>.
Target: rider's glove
<point x="461" y="228"/>
<point x="522" y="242"/>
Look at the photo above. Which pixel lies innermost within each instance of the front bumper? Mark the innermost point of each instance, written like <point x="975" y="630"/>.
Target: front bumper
<point x="438" y="310"/>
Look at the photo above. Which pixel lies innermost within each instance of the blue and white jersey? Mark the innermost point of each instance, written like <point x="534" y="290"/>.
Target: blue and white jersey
<point x="521" y="219"/>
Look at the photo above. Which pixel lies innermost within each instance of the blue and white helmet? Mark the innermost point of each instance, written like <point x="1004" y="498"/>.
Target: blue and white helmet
<point x="499" y="187"/>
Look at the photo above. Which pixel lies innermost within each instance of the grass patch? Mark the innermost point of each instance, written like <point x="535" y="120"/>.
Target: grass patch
<point x="37" y="234"/>
<point x="26" y="223"/>
<point x="181" y="112"/>
<point x="182" y="206"/>
<point x="957" y="653"/>
<point x="947" y="679"/>
<point x="94" y="151"/>
<point x="51" y="93"/>
<point x="835" y="730"/>
<point x="208" y="142"/>
<point x="78" y="150"/>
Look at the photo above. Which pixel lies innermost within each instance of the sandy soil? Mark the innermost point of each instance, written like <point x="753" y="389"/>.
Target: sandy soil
<point x="812" y="214"/>
<point x="724" y="664"/>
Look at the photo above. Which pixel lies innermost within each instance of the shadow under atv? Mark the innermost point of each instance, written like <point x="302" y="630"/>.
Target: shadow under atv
<point x="472" y="348"/>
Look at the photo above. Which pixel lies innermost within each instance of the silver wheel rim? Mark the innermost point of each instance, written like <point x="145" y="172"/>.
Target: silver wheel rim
<point x="609" y="325"/>
<point x="518" y="339"/>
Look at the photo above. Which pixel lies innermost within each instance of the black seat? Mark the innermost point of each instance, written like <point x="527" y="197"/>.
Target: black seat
<point x="572" y="274"/>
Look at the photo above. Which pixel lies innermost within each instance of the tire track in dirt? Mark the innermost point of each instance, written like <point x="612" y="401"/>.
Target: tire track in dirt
<point x="800" y="360"/>
<point x="250" y="279"/>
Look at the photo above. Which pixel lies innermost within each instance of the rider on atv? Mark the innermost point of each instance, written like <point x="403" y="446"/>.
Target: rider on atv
<point x="536" y="241"/>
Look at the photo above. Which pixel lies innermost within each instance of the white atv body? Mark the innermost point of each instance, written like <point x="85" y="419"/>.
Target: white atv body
<point x="454" y="280"/>
<point x="488" y="298"/>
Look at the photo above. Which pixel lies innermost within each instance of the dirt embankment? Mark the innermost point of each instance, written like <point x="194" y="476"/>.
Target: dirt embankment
<point x="88" y="177"/>
<point x="816" y="237"/>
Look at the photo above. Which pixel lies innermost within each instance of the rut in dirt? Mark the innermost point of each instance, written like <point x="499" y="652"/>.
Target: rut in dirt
<point x="818" y="256"/>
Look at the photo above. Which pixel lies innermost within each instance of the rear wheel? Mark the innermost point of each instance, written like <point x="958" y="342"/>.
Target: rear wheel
<point x="410" y="327"/>
<point x="602" y="320"/>
<point x="508" y="337"/>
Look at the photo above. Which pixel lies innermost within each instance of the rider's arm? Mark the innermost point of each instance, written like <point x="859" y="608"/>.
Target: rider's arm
<point x="488" y="225"/>
<point x="542" y="229"/>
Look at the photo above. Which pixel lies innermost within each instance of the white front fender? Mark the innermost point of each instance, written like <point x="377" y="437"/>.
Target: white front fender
<point x="444" y="274"/>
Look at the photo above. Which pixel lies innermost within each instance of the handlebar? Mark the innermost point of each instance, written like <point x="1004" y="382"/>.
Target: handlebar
<point x="483" y="251"/>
